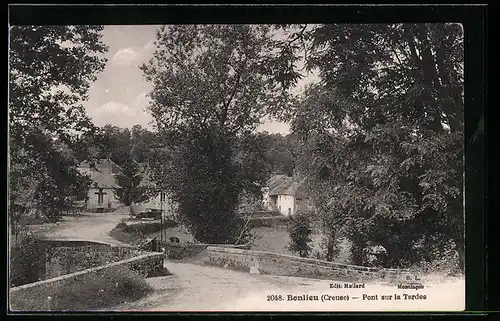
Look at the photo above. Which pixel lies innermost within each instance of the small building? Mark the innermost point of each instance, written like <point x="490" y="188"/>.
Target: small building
<point x="162" y="201"/>
<point x="102" y="189"/>
<point x="285" y="194"/>
<point x="102" y="192"/>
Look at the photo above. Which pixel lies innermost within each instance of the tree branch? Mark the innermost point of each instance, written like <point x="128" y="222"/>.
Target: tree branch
<point x="225" y="107"/>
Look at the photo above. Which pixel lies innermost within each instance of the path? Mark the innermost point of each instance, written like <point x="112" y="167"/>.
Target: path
<point x="90" y="226"/>
<point x="204" y="288"/>
<point x="198" y="288"/>
<point x="195" y="287"/>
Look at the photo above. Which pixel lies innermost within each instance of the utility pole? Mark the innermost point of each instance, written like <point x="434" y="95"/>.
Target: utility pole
<point x="161" y="217"/>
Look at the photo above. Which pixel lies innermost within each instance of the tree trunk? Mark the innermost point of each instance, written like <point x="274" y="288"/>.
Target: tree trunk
<point x="427" y="71"/>
<point x="461" y="254"/>
<point x="329" y="251"/>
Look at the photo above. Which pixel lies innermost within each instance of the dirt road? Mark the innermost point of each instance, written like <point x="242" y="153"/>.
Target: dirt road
<point x="195" y="287"/>
<point x="90" y="226"/>
<point x="204" y="288"/>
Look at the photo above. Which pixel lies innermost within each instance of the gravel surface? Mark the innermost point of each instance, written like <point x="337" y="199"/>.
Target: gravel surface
<point x="194" y="287"/>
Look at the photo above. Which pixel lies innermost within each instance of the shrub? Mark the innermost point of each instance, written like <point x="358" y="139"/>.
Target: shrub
<point x="442" y="261"/>
<point x="143" y="228"/>
<point x="150" y="227"/>
<point x="121" y="226"/>
<point x="26" y="260"/>
<point x="300" y="234"/>
<point x="331" y="246"/>
<point x="105" y="288"/>
<point x="119" y="234"/>
<point x="134" y="232"/>
<point x="270" y="221"/>
<point x="258" y="214"/>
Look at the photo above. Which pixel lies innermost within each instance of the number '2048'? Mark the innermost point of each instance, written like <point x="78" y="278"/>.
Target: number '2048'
<point x="274" y="297"/>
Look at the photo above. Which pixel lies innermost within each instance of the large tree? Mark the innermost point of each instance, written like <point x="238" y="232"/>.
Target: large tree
<point x="210" y="89"/>
<point x="279" y="153"/>
<point x="130" y="184"/>
<point x="50" y="71"/>
<point x="389" y="142"/>
<point x="113" y="142"/>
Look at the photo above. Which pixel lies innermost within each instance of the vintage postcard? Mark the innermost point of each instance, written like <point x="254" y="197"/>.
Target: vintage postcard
<point x="236" y="167"/>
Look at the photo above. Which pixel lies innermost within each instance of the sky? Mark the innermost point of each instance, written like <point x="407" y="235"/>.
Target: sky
<point x="119" y="95"/>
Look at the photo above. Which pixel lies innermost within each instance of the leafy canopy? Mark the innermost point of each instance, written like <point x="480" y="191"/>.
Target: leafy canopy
<point x="211" y="87"/>
<point x="387" y="150"/>
<point x="50" y="71"/>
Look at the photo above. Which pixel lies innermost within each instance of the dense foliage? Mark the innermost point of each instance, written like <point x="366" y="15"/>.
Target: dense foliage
<point x="300" y="234"/>
<point x="379" y="138"/>
<point x="50" y="70"/>
<point x="209" y="93"/>
<point x="26" y="261"/>
<point x="120" y="144"/>
<point x="130" y="188"/>
<point x="279" y="153"/>
<point x="387" y="152"/>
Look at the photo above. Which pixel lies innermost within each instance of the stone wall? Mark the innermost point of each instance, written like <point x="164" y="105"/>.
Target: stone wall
<point x="185" y="250"/>
<point x="68" y="256"/>
<point x="68" y="259"/>
<point x="286" y="265"/>
<point x="144" y="264"/>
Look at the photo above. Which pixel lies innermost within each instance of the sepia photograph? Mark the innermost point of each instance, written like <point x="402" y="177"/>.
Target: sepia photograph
<point x="236" y="167"/>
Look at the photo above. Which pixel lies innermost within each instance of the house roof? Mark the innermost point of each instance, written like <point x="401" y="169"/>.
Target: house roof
<point x="100" y="164"/>
<point x="103" y="179"/>
<point x="285" y="185"/>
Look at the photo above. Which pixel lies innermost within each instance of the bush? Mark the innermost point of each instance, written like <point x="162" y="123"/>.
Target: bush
<point x="134" y="232"/>
<point x="27" y="260"/>
<point x="120" y="235"/>
<point x="300" y="234"/>
<point x="443" y="260"/>
<point x="259" y="214"/>
<point x="30" y="218"/>
<point x="270" y="221"/>
<point x="121" y="226"/>
<point x="331" y="246"/>
<point x="106" y="288"/>
<point x="143" y="228"/>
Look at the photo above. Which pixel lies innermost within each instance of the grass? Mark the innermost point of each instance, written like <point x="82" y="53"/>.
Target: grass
<point x="107" y="288"/>
<point x="276" y="240"/>
<point x="270" y="239"/>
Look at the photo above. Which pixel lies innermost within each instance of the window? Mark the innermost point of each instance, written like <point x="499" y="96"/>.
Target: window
<point x="100" y="196"/>
<point x="162" y="197"/>
<point x="289" y="211"/>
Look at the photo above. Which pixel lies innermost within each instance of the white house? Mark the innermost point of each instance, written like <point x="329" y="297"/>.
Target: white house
<point x="162" y="201"/>
<point x="284" y="194"/>
<point x="102" y="190"/>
